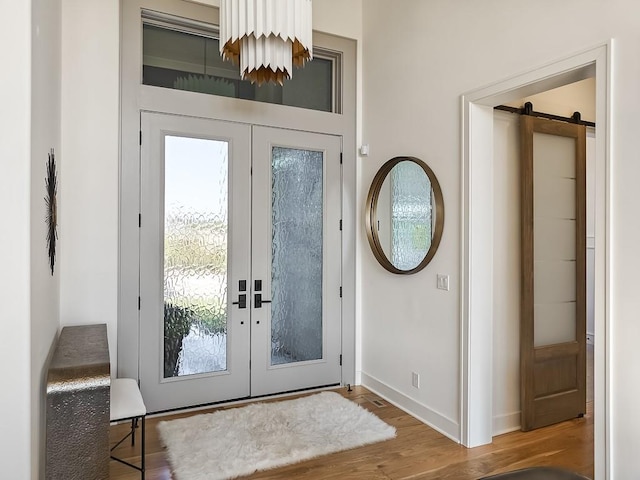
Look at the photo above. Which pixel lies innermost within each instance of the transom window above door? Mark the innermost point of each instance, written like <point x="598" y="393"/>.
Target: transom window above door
<point x="182" y="55"/>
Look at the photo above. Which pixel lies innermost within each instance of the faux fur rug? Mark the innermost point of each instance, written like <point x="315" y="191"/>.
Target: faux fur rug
<point x="238" y="441"/>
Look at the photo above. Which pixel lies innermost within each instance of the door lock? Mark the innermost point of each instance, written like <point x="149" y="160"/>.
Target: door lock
<point x="242" y="301"/>
<point x="258" y="301"/>
<point x="242" y="298"/>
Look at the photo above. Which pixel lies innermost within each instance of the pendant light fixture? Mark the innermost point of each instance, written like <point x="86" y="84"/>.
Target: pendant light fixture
<point x="266" y="37"/>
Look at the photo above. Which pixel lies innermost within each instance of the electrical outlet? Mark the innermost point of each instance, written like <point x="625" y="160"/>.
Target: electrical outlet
<point x="415" y="379"/>
<point x="443" y="282"/>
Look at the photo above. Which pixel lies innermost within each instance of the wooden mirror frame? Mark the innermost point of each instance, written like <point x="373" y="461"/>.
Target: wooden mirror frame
<point x="371" y="215"/>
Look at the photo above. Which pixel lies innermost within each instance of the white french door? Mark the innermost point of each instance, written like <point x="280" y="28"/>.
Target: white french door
<point x="240" y="271"/>
<point x="296" y="255"/>
<point x="194" y="248"/>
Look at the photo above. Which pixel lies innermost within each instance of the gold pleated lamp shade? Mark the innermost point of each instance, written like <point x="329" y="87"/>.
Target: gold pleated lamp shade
<point x="266" y="37"/>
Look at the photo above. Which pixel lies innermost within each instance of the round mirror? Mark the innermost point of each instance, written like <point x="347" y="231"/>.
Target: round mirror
<point x="404" y="215"/>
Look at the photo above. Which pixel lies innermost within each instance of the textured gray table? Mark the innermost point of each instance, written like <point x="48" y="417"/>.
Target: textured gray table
<point x="77" y="415"/>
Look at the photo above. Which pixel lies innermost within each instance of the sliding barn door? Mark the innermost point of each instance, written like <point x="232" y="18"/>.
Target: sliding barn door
<point x="553" y="303"/>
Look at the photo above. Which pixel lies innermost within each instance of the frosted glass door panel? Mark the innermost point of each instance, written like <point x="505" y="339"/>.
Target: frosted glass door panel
<point x="554" y="197"/>
<point x="554" y="321"/>
<point x="555" y="155"/>
<point x="554" y="282"/>
<point x="296" y="260"/>
<point x="554" y="239"/>
<point x="195" y="255"/>
<point x="554" y="210"/>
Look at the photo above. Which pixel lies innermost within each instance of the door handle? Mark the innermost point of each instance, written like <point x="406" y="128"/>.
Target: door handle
<point x="242" y="298"/>
<point x="242" y="301"/>
<point x="258" y="301"/>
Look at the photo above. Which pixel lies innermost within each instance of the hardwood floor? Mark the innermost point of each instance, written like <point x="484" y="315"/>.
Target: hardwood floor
<point x="418" y="451"/>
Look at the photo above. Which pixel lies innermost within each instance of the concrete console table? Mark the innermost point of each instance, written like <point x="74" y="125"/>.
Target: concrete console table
<point x="78" y="384"/>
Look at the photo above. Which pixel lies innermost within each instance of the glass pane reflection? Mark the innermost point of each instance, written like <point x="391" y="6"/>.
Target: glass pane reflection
<point x="410" y="215"/>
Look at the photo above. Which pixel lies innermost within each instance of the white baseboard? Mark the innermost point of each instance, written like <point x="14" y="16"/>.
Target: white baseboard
<point x="509" y="422"/>
<point x="426" y="415"/>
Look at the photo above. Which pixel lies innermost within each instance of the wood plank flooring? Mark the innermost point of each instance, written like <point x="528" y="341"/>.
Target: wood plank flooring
<point x="418" y="451"/>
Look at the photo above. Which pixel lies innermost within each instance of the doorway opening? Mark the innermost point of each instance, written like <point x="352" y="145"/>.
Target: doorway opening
<point x="477" y="266"/>
<point x="554" y="315"/>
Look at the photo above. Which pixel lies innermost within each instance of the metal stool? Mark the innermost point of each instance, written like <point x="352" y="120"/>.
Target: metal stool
<point x="127" y="404"/>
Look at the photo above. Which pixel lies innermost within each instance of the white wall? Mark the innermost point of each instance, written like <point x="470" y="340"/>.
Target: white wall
<point x="506" y="272"/>
<point x="45" y="134"/>
<point x="339" y="17"/>
<point x="30" y="123"/>
<point x="418" y="60"/>
<point x="89" y="169"/>
<point x="15" y="118"/>
<point x="575" y="97"/>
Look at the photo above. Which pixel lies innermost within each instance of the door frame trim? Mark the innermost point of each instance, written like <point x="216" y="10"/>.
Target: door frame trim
<point x="477" y="202"/>
<point x="135" y="98"/>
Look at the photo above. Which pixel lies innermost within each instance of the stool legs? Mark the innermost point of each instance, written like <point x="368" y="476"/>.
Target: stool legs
<point x="127" y="405"/>
<point x="142" y="447"/>
<point x="132" y="433"/>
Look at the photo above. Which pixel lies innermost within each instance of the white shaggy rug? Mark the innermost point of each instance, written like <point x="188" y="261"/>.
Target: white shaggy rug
<point x="239" y="441"/>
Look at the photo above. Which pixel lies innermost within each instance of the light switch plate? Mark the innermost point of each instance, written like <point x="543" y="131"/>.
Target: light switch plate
<point x="443" y="282"/>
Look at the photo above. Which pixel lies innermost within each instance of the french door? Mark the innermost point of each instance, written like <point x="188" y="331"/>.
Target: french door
<point x="239" y="261"/>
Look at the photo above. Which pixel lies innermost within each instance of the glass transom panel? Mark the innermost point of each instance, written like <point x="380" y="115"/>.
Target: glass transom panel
<point x="186" y="61"/>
